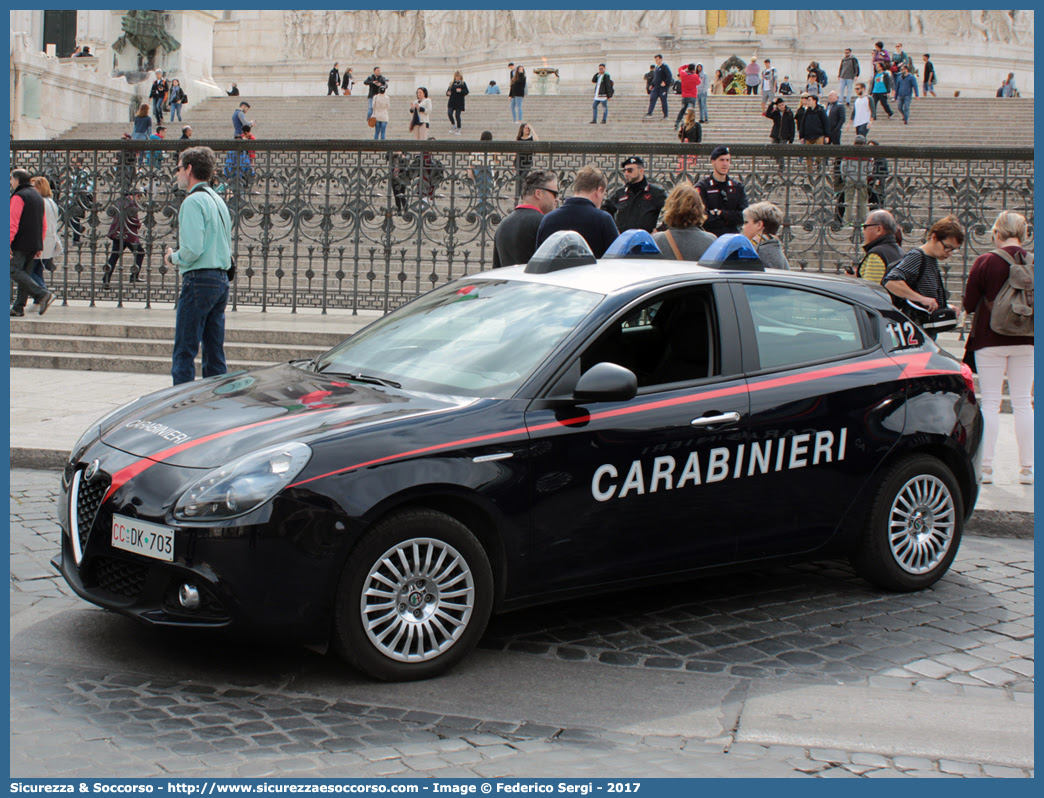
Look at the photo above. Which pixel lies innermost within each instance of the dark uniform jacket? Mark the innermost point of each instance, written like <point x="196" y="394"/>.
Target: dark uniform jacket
<point x="729" y="198"/>
<point x="334" y="79"/>
<point x="636" y="205"/>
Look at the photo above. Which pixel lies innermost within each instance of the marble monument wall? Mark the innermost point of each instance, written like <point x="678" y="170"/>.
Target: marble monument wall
<point x="290" y="52"/>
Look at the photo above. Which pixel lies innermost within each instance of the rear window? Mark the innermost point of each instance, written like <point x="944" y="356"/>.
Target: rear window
<point x="794" y="326"/>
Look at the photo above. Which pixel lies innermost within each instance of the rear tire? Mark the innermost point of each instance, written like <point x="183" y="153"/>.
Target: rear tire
<point x="414" y="597"/>
<point x="914" y="526"/>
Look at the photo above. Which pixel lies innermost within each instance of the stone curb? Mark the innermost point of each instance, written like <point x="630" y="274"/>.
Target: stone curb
<point x="985" y="523"/>
<point x="1000" y="524"/>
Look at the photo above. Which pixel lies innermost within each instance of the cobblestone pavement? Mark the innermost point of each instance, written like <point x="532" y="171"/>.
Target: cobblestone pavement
<point x="969" y="637"/>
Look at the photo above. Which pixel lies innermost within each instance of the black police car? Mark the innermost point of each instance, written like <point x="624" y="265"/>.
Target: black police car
<point x="521" y="435"/>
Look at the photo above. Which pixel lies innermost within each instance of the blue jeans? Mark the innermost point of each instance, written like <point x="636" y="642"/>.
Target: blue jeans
<point x="200" y="318"/>
<point x="369" y="107"/>
<point x="847" y="84"/>
<point x="904" y="106"/>
<point x="594" y="110"/>
<point x="175" y="108"/>
<point x="687" y="102"/>
<point x="702" y="100"/>
<point x="379" y="130"/>
<point x="661" y="93"/>
<point x="157" y="109"/>
<point x="516" y="109"/>
<point x="38" y="270"/>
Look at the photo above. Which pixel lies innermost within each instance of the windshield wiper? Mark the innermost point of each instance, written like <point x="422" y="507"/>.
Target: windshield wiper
<point x="361" y="378"/>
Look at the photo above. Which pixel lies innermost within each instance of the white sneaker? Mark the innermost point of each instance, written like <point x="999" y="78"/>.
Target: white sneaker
<point x="987" y="475"/>
<point x="1026" y="476"/>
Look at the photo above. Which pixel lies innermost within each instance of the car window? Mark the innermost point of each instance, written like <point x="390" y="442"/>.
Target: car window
<point x="480" y="339"/>
<point x="794" y="326"/>
<point x="669" y="338"/>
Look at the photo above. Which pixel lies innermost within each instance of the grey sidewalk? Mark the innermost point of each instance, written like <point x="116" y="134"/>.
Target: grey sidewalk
<point x="50" y="409"/>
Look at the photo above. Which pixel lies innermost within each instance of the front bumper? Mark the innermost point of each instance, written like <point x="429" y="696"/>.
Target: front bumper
<point x="272" y="572"/>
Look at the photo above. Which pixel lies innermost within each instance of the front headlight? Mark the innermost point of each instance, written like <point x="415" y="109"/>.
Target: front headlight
<point x="242" y="485"/>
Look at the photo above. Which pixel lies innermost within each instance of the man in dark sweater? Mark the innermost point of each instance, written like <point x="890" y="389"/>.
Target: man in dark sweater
<point x="582" y="212"/>
<point x="515" y="241"/>
<point x="28" y="229"/>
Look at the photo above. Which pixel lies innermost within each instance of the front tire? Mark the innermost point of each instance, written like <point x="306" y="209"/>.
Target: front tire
<point x="914" y="526"/>
<point x="414" y="597"/>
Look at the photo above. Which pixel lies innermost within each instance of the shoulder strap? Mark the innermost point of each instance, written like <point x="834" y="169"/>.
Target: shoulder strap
<point x="1011" y="261"/>
<point x="674" y="246"/>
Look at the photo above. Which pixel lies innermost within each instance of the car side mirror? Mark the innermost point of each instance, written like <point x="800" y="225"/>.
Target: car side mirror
<point x="606" y="382"/>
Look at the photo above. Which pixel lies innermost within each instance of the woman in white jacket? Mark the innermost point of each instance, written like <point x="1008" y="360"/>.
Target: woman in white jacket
<point x="52" y="244"/>
<point x="420" y="109"/>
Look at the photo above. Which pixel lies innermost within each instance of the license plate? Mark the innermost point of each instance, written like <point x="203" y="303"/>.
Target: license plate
<point x="143" y="537"/>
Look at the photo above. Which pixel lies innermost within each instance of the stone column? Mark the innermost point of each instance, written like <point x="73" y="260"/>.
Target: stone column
<point x="783" y="23"/>
<point x="94" y="28"/>
<point x="692" y="23"/>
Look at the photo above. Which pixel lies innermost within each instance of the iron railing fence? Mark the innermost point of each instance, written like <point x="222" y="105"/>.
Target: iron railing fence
<point x="369" y="225"/>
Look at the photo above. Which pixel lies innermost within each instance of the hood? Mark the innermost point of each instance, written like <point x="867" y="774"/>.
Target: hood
<point x="205" y="424"/>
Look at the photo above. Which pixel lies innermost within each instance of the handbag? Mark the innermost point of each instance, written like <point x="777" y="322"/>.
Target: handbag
<point x="372" y="121"/>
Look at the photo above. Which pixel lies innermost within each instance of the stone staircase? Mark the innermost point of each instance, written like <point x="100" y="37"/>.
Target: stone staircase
<point x="145" y="348"/>
<point x="938" y="121"/>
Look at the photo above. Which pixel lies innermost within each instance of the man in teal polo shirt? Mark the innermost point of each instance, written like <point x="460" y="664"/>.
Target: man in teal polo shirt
<point x="203" y="259"/>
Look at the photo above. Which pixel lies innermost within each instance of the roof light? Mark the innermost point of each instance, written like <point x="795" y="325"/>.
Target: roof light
<point x="633" y="244"/>
<point x="562" y="250"/>
<point x="732" y="251"/>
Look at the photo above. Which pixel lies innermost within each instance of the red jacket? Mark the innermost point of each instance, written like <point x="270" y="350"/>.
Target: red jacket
<point x="690" y="82"/>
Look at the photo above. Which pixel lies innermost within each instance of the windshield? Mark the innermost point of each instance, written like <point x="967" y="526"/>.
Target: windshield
<point x="472" y="339"/>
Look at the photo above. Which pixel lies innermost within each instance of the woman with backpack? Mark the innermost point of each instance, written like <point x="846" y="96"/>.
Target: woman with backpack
<point x="993" y="354"/>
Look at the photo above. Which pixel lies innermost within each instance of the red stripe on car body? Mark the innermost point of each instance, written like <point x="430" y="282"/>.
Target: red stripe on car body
<point x="918" y="361"/>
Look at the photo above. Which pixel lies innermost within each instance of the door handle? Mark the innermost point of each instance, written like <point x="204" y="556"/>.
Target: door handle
<point x="713" y="421"/>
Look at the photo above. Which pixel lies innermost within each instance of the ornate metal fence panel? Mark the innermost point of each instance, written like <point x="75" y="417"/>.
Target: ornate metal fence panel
<point x="370" y="225"/>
